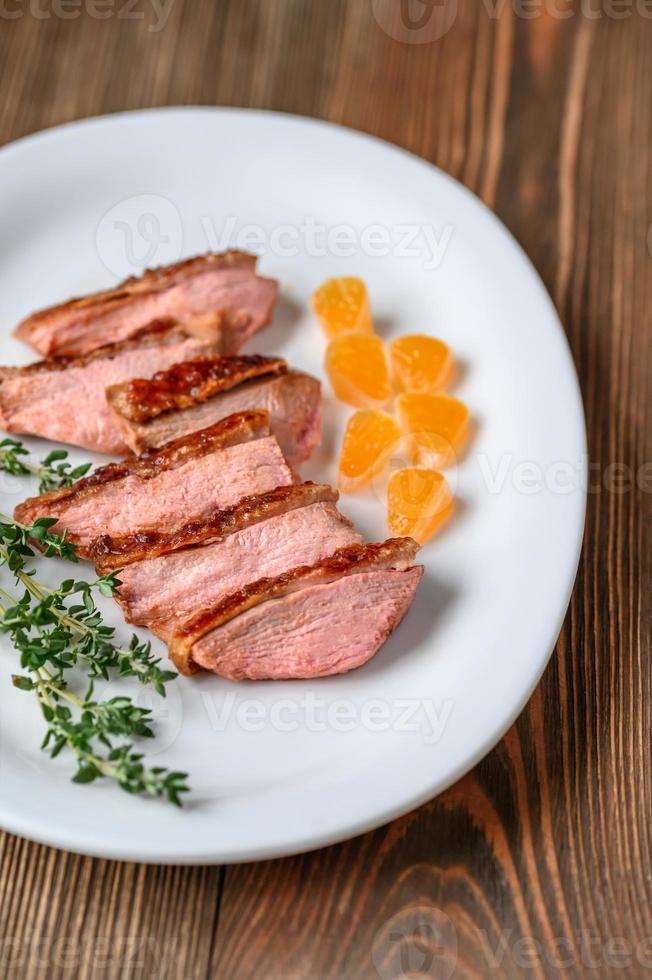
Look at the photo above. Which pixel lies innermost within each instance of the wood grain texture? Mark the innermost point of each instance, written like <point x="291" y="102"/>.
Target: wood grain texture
<point x="547" y="841"/>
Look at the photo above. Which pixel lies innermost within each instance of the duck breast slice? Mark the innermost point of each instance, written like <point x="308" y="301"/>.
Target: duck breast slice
<point x="227" y="284"/>
<point x="305" y="526"/>
<point x="189" y="396"/>
<point x="187" y="478"/>
<point x="312" y="621"/>
<point x="64" y="398"/>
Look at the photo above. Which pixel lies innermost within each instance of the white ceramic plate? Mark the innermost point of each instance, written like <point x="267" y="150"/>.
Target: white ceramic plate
<point x="280" y="768"/>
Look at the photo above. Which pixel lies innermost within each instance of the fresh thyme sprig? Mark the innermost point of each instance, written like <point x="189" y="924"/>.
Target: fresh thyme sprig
<point x="76" y="632"/>
<point x="100" y="720"/>
<point x="17" y="540"/>
<point x="79" y="632"/>
<point x="55" y="630"/>
<point x="51" y="476"/>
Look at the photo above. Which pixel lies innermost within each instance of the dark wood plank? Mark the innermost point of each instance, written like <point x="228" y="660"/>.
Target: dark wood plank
<point x="549" y="121"/>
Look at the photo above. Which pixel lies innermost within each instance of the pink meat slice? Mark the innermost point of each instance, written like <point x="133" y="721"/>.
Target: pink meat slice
<point x="293" y="624"/>
<point x="215" y="481"/>
<point x="227" y="283"/>
<point x="67" y="402"/>
<point x="163" y="591"/>
<point x="322" y="630"/>
<point x="293" y="401"/>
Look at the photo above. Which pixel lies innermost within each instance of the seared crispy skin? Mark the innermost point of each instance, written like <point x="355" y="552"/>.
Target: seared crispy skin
<point x="292" y="398"/>
<point x="235" y="429"/>
<point x="109" y="553"/>
<point x="190" y="383"/>
<point x="395" y="552"/>
<point x="151" y="281"/>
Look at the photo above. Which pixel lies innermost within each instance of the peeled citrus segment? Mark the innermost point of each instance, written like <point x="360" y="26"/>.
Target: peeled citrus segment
<point x="342" y="306"/>
<point x="369" y="439"/>
<point x="420" y="363"/>
<point x="418" y="503"/>
<point x="435" y="427"/>
<point x="358" y="371"/>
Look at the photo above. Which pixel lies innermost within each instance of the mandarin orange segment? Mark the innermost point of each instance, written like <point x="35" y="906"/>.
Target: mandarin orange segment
<point x="420" y="363"/>
<point x="435" y="426"/>
<point x="358" y="371"/>
<point x="369" y="440"/>
<point x="342" y="306"/>
<point x="418" y="503"/>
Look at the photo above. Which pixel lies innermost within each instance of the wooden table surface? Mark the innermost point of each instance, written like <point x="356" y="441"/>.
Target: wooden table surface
<point x="538" y="862"/>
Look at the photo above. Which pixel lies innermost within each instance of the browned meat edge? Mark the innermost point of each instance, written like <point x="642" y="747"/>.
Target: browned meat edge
<point x="139" y="435"/>
<point x="109" y="553"/>
<point x="186" y="384"/>
<point x="237" y="428"/>
<point x="344" y="561"/>
<point x="152" y="280"/>
<point x="157" y="333"/>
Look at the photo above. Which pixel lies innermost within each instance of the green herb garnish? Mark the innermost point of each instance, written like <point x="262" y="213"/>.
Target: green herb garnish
<point x="51" y="476"/>
<point x="57" y="630"/>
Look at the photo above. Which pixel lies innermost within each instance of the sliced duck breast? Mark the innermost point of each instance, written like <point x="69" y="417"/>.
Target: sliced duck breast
<point x="64" y="398"/>
<point x="226" y="283"/>
<point x="312" y="621"/>
<point x="187" y="478"/>
<point x="264" y="535"/>
<point x="188" y="396"/>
